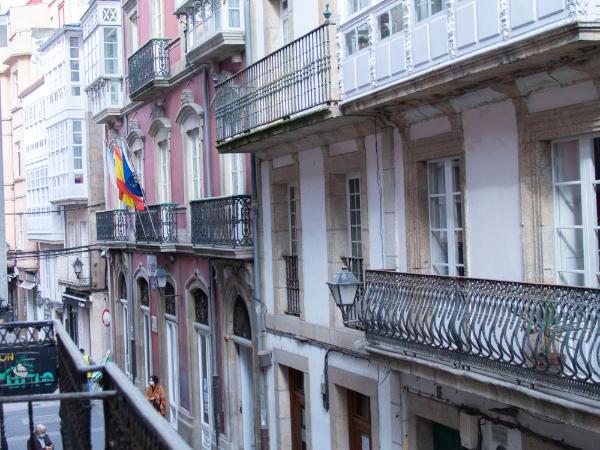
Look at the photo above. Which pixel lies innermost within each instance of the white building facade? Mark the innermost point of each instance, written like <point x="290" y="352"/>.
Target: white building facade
<point x="446" y="153"/>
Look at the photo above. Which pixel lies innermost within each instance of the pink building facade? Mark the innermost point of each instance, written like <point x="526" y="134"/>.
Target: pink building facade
<point x="180" y="273"/>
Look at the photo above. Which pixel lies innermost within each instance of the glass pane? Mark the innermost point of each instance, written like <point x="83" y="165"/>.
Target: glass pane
<point x="566" y="161"/>
<point x="437" y="178"/>
<point x="597" y="158"/>
<point x="458" y="220"/>
<point x="363" y="36"/>
<point x="568" y="203"/>
<point x="437" y="212"/>
<point x="436" y="6"/>
<point x="421" y="9"/>
<point x="234" y="18"/>
<point x="456" y="175"/>
<point x="439" y="247"/>
<point x="397" y="19"/>
<point x="440" y="269"/>
<point x="571" y="279"/>
<point x="384" y="25"/>
<point x="570" y="243"/>
<point x="459" y="247"/>
<point x="350" y="43"/>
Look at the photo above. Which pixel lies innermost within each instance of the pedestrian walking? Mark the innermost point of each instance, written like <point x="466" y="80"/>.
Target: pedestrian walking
<point x="156" y="395"/>
<point x="40" y="440"/>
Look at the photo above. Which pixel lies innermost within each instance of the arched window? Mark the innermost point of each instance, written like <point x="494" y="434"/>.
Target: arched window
<point x="194" y="156"/>
<point x="170" y="300"/>
<point x="122" y="288"/>
<point x="200" y="307"/>
<point x="163" y="164"/>
<point x="124" y="319"/>
<point x="241" y="320"/>
<point x="146" y="325"/>
<point x="144" y="294"/>
<point x="137" y="155"/>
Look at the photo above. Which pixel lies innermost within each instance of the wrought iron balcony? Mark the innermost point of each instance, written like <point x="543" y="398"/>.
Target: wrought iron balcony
<point x="535" y="335"/>
<point x="292" y="284"/>
<point x="53" y="360"/>
<point x="157" y="224"/>
<point x="222" y="221"/>
<point x="113" y="225"/>
<point x="149" y="68"/>
<point x="296" y="78"/>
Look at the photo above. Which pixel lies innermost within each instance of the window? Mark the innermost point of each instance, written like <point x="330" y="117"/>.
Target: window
<point x="158" y="18"/>
<point x="144" y="303"/>
<point x="359" y="421"/>
<point x="356" y="5"/>
<point x="3" y="31"/>
<point x="172" y="353"/>
<point x="164" y="172"/>
<point x="426" y="8"/>
<point x="133" y="33"/>
<point x="77" y="145"/>
<point x="291" y="260"/>
<point x="576" y="184"/>
<point x="201" y="323"/>
<point x="445" y="218"/>
<point x="285" y="27"/>
<point x="293" y="220"/>
<point x="234" y="13"/>
<point x="297" y="409"/>
<point x="15" y="88"/>
<point x="18" y="157"/>
<point x="84" y="238"/>
<point x="74" y="58"/>
<point x="110" y="51"/>
<point x="390" y="22"/>
<point x="138" y="160"/>
<point x="196" y="167"/>
<point x="357" y="39"/>
<point x="354" y="218"/>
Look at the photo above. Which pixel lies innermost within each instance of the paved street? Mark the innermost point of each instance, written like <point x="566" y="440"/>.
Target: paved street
<point x="17" y="423"/>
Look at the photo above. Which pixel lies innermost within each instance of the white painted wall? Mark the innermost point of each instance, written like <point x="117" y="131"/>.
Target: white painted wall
<point x="374" y="200"/>
<point x="492" y="192"/>
<point x="305" y="18"/>
<point x="314" y="236"/>
<point x="401" y="263"/>
<point x="267" y="245"/>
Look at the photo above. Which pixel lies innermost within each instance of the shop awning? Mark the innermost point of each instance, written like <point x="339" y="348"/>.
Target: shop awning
<point x="27" y="284"/>
<point x="74" y="300"/>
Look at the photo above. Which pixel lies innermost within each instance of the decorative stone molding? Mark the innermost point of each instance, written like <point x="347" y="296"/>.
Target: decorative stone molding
<point x="451" y="27"/>
<point x="187" y="96"/>
<point x="504" y="19"/>
<point x="407" y="25"/>
<point x="133" y="124"/>
<point x="578" y="7"/>
<point x="157" y="112"/>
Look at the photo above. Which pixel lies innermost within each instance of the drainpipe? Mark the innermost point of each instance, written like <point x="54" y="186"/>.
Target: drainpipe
<point x="207" y="145"/>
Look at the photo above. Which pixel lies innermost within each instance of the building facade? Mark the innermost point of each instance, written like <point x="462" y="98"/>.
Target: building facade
<point x="443" y="151"/>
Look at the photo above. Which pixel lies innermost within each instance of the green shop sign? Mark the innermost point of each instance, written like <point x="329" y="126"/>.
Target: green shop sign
<point x="28" y="370"/>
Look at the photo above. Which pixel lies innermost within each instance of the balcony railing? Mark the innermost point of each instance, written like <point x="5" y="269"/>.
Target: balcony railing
<point x="129" y="419"/>
<point x="355" y="265"/>
<point x="295" y="78"/>
<point x="113" y="225"/>
<point x="292" y="284"/>
<point x="222" y="221"/>
<point x="150" y="63"/>
<point x="158" y="223"/>
<point x="531" y="334"/>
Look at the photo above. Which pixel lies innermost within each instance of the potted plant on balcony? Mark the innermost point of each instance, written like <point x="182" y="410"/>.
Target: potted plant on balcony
<point x="545" y="338"/>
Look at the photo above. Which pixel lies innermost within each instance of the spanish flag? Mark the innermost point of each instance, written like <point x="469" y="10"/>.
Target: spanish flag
<point x="130" y="191"/>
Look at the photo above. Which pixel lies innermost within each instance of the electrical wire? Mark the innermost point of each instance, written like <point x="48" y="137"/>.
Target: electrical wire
<point x="65" y="209"/>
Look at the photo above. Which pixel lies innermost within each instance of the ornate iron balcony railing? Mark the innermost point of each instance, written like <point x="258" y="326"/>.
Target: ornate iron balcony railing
<point x="157" y="223"/>
<point x="149" y="63"/>
<point x="113" y="225"/>
<point x="531" y="334"/>
<point x="222" y="221"/>
<point x="295" y="78"/>
<point x="292" y="284"/>
<point x="130" y="421"/>
<point x="355" y="265"/>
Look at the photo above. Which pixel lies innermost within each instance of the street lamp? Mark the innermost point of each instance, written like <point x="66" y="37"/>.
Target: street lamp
<point x="160" y="278"/>
<point x="343" y="286"/>
<point x="78" y="267"/>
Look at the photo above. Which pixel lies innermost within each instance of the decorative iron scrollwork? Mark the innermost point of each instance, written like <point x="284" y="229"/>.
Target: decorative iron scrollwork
<point x="149" y="63"/>
<point x="223" y="221"/>
<point x="241" y="320"/>
<point x="200" y="307"/>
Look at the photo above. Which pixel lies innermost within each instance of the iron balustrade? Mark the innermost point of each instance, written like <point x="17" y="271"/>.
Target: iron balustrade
<point x="299" y="76"/>
<point x="355" y="265"/>
<point x="113" y="225"/>
<point x="157" y="223"/>
<point x="530" y="334"/>
<point x="149" y="63"/>
<point x="292" y="284"/>
<point x="130" y="421"/>
<point x="222" y="221"/>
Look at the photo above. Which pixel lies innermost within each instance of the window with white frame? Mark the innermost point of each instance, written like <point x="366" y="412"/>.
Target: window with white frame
<point x="4" y="31"/>
<point x="446" y="240"/>
<point x="137" y="149"/>
<point x="285" y="23"/>
<point x="194" y="143"/>
<point x="172" y="352"/>
<point x="234" y="13"/>
<point x="354" y="217"/>
<point x="390" y="22"/>
<point x="111" y="57"/>
<point x="74" y="65"/>
<point x="202" y="326"/>
<point x="353" y="6"/>
<point x="427" y="8"/>
<point x="133" y="33"/>
<point x="159" y="18"/>
<point x="357" y="39"/>
<point x="77" y="145"/>
<point x="164" y="168"/>
<point x="576" y="185"/>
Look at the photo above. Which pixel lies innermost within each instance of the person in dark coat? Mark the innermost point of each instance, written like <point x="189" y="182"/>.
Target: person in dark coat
<point x="40" y="440"/>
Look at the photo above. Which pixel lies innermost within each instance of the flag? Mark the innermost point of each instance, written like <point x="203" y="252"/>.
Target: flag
<point x="130" y="191"/>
